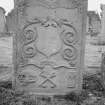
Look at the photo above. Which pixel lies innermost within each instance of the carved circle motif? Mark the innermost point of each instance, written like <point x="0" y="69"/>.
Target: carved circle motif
<point x="30" y="35"/>
<point x="70" y="53"/>
<point x="29" y="51"/>
<point x="69" y="35"/>
<point x="69" y="38"/>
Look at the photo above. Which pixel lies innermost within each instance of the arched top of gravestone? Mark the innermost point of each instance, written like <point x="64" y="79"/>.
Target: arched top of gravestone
<point x="50" y="3"/>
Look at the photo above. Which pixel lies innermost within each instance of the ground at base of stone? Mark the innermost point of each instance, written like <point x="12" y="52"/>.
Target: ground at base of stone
<point x="93" y="93"/>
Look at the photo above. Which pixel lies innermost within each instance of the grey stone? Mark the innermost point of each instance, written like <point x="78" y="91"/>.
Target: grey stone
<point x="49" y="41"/>
<point x="2" y="20"/>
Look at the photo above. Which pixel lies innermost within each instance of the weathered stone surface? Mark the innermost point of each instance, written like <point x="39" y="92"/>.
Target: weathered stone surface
<point x="93" y="23"/>
<point x="93" y="53"/>
<point x="103" y="19"/>
<point x="102" y="34"/>
<point x="95" y="46"/>
<point x="6" y="64"/>
<point x="6" y="51"/>
<point x="49" y="45"/>
<point x="2" y="20"/>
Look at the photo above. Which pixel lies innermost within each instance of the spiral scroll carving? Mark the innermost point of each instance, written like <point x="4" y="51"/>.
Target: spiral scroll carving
<point x="30" y="36"/>
<point x="29" y="51"/>
<point x="69" y="35"/>
<point x="70" y="53"/>
<point x="69" y="38"/>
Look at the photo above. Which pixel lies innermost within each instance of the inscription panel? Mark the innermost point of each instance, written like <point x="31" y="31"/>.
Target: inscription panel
<point x="49" y="55"/>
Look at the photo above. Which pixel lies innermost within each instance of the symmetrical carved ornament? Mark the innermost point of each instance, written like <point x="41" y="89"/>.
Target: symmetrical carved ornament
<point x="50" y="43"/>
<point x="47" y="39"/>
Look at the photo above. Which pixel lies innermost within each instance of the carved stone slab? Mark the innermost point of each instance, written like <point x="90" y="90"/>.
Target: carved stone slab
<point x="49" y="46"/>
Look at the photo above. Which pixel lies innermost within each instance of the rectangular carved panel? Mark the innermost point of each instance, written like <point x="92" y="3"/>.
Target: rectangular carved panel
<point x="49" y="47"/>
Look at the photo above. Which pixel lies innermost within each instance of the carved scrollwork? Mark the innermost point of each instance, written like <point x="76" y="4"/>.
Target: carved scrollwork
<point x="70" y="53"/>
<point x="30" y="35"/>
<point x="69" y="38"/>
<point x="69" y="35"/>
<point x="29" y="51"/>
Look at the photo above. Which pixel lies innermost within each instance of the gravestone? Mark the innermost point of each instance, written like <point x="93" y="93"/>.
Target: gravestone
<point x="102" y="33"/>
<point x="103" y="19"/>
<point x="48" y="45"/>
<point x="2" y="20"/>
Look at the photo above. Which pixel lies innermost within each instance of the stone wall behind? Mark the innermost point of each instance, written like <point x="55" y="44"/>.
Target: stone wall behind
<point x="6" y="66"/>
<point x="93" y="54"/>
